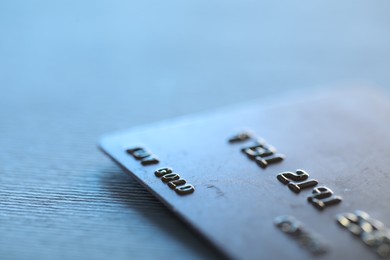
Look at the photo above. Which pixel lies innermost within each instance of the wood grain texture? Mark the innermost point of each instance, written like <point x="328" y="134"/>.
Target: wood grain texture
<point x="71" y="71"/>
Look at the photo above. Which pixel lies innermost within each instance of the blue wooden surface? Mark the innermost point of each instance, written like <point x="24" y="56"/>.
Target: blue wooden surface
<point x="71" y="71"/>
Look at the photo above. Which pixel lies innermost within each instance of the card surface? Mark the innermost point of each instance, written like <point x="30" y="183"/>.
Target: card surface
<point x="294" y="178"/>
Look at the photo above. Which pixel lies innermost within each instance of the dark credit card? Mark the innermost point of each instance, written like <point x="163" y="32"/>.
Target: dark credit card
<point x="295" y="178"/>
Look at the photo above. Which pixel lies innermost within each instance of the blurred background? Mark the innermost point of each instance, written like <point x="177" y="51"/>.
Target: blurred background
<point x="71" y="71"/>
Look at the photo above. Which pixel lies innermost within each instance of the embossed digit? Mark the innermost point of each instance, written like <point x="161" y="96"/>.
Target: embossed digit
<point x="176" y="183"/>
<point x="132" y="150"/>
<point x="323" y="197"/>
<point x="140" y="154"/>
<point x="170" y="177"/>
<point x="371" y="231"/>
<point x="310" y="241"/>
<point x="261" y="151"/>
<point x="186" y="189"/>
<point x="288" y="225"/>
<point x="264" y="162"/>
<point x="257" y="144"/>
<point x="287" y="178"/>
<point x="162" y="171"/>
<point x="149" y="160"/>
<point x="347" y="219"/>
<point x="241" y="137"/>
<point x="297" y="187"/>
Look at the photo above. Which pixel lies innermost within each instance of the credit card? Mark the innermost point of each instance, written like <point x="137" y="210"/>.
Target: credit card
<point x="297" y="177"/>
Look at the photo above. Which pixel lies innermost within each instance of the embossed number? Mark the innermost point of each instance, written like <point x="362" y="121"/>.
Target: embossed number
<point x="163" y="171"/>
<point x="323" y="197"/>
<point x="300" y="176"/>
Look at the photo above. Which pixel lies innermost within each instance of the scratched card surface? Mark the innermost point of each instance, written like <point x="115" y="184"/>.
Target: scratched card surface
<point x="293" y="178"/>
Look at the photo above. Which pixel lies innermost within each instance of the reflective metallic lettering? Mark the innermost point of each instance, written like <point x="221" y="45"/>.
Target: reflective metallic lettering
<point x="297" y="187"/>
<point x="170" y="177"/>
<point x="173" y="180"/>
<point x="264" y="162"/>
<point x="149" y="160"/>
<point x="323" y="197"/>
<point x="261" y="151"/>
<point x="186" y="189"/>
<point x="370" y="231"/>
<point x="287" y="178"/>
<point x="307" y="239"/>
<point x="140" y="154"/>
<point x="132" y="150"/>
<point x="241" y="137"/>
<point x="161" y="172"/>
<point x="176" y="183"/>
